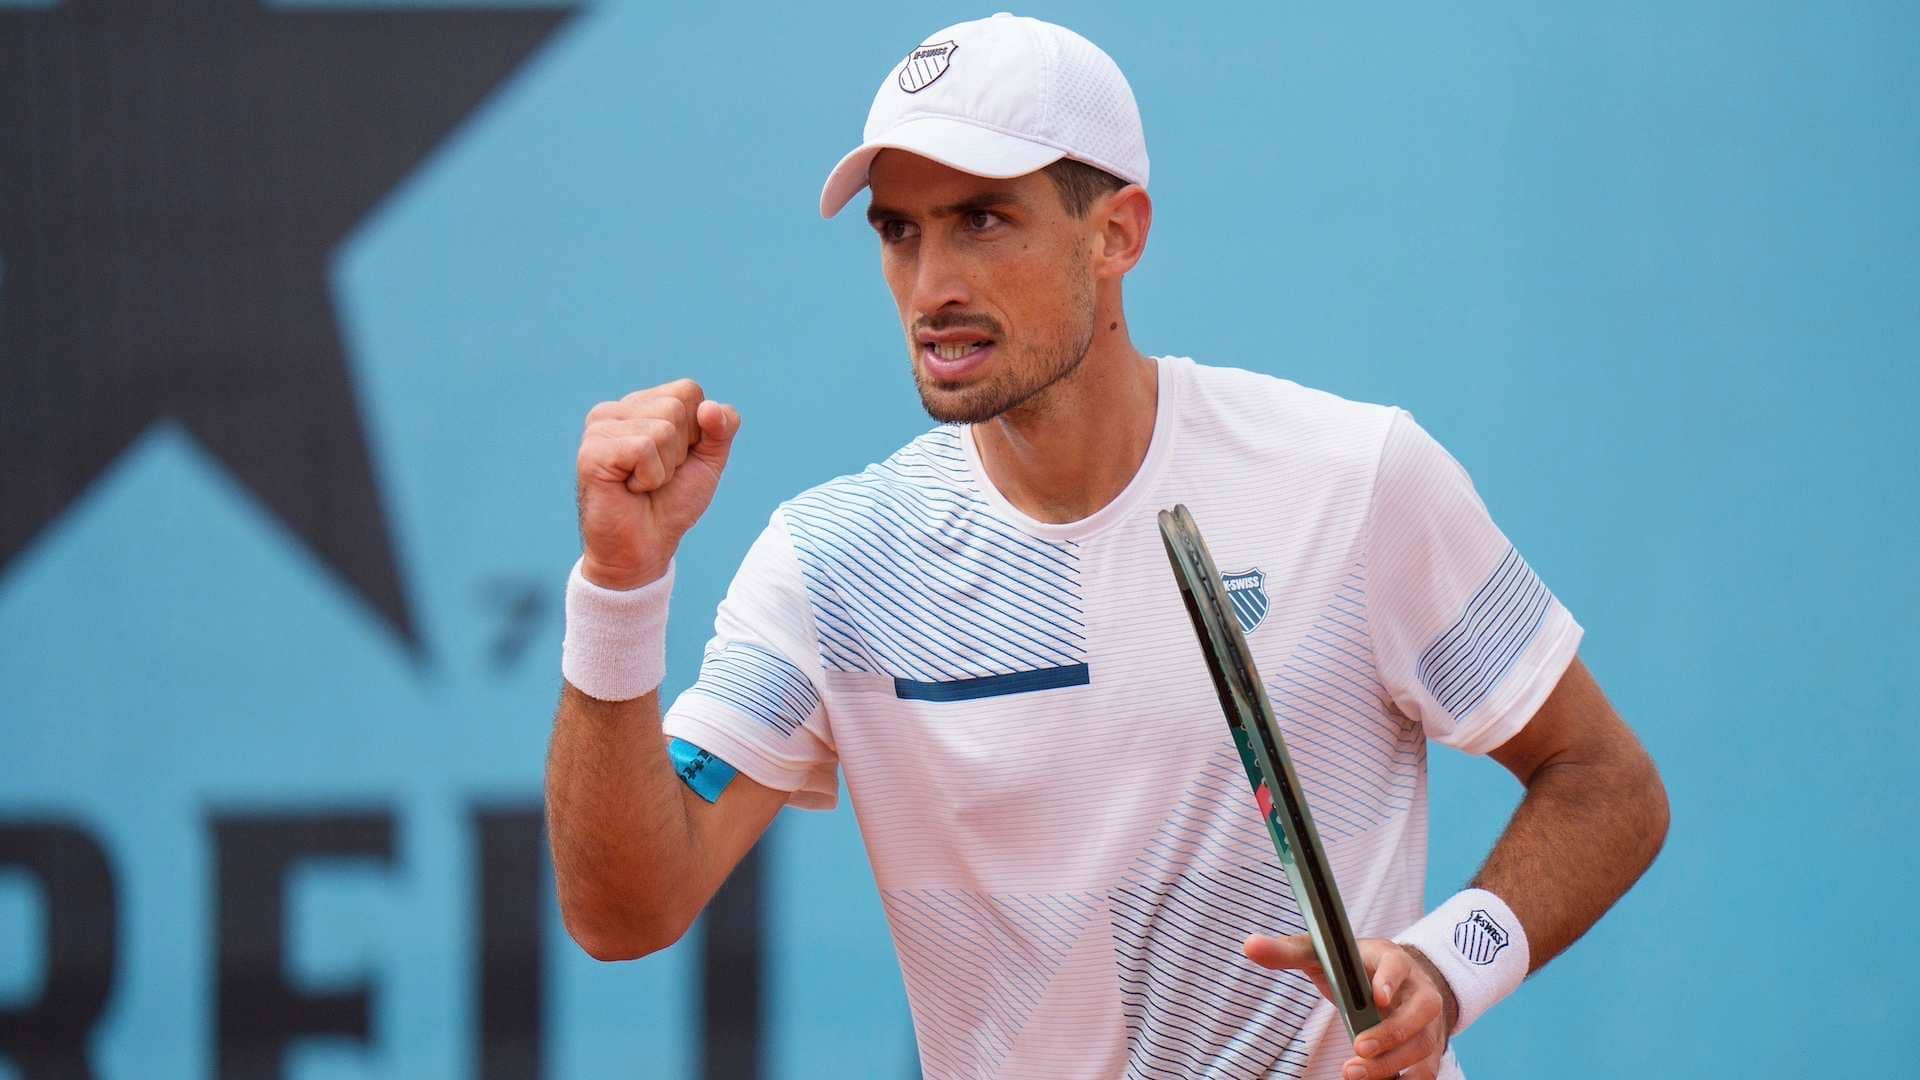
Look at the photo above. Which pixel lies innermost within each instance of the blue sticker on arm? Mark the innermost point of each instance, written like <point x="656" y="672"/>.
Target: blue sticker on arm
<point x="707" y="775"/>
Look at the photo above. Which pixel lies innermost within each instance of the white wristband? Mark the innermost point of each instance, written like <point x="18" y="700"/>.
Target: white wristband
<point x="1478" y="945"/>
<point x="616" y="643"/>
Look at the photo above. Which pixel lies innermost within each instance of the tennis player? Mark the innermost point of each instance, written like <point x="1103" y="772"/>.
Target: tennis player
<point x="982" y="635"/>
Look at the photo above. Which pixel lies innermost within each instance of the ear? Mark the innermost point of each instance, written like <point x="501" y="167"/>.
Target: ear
<point x="1125" y="217"/>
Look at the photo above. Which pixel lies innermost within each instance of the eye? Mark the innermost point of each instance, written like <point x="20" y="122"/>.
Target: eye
<point x="980" y="220"/>
<point x="894" y="230"/>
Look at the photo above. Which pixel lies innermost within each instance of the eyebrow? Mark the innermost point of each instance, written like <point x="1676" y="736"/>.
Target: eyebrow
<point x="986" y="200"/>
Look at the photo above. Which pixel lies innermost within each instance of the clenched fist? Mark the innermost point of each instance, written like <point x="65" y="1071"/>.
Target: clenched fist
<point x="648" y="466"/>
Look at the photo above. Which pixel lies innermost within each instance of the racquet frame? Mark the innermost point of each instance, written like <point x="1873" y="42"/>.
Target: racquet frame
<point x="1256" y="734"/>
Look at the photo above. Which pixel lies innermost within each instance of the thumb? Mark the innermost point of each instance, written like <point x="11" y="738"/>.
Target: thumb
<point x="718" y="425"/>
<point x="1294" y="952"/>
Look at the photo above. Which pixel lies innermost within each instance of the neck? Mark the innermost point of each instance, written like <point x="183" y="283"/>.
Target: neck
<point x="1073" y="449"/>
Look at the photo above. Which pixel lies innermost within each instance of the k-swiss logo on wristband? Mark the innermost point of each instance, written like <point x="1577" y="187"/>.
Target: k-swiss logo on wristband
<point x="925" y="64"/>
<point x="1479" y="938"/>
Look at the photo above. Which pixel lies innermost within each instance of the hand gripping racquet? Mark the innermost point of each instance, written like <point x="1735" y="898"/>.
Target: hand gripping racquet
<point x="1269" y="769"/>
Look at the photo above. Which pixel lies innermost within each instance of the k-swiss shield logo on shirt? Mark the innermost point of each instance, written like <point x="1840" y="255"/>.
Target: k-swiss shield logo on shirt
<point x="1248" y="593"/>
<point x="1479" y="938"/>
<point x="925" y="64"/>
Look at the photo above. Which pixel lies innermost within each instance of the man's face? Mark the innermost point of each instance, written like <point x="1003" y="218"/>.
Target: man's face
<point x="993" y="279"/>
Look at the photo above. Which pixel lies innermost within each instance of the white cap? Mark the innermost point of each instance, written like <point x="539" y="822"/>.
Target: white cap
<point x="1000" y="97"/>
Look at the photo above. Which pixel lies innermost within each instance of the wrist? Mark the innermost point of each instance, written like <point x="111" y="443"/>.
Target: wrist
<point x="623" y="579"/>
<point x="1479" y="949"/>
<point x="1449" y="1001"/>
<point x="616" y="642"/>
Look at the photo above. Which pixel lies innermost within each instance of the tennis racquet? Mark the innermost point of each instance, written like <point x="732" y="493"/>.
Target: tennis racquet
<point x="1263" y="752"/>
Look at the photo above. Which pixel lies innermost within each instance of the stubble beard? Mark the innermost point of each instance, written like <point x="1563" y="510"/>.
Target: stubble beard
<point x="1021" y="381"/>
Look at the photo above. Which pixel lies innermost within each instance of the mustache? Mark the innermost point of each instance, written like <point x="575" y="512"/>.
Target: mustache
<point x="984" y="323"/>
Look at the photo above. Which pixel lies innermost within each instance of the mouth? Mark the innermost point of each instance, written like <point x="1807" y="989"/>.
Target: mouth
<point x="950" y="360"/>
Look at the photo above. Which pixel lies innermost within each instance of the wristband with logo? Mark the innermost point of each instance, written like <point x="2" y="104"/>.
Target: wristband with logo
<point x="1479" y="947"/>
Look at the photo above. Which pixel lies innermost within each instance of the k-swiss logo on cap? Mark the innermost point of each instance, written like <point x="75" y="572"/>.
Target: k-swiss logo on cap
<point x="925" y="64"/>
<point x="1479" y="938"/>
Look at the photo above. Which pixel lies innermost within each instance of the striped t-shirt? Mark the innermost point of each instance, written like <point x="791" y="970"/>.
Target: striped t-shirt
<point x="1059" y="824"/>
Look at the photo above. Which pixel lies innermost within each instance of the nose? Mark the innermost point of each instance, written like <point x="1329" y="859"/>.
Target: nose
<point x="939" y="280"/>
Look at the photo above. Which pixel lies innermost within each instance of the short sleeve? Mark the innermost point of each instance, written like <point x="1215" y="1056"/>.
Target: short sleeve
<point x="757" y="705"/>
<point x="1468" y="640"/>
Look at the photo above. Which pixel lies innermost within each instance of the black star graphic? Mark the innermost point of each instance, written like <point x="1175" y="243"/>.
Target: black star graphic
<point x="174" y="179"/>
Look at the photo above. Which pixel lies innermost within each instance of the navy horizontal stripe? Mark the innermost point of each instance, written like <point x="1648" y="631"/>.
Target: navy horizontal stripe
<point x="1018" y="682"/>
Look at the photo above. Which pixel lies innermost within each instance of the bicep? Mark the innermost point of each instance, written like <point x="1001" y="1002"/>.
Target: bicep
<point x="1575" y="723"/>
<point x="724" y="830"/>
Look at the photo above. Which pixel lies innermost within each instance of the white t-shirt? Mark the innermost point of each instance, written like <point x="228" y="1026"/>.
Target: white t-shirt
<point x="1059" y="824"/>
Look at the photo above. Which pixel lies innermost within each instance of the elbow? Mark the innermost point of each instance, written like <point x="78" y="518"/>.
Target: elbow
<point x="1658" y="811"/>
<point x="1663" y="819"/>
<point x="611" y="937"/>
<point x="615" y="948"/>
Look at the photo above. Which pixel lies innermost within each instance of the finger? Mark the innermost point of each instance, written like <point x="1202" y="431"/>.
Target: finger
<point x="1291" y="953"/>
<point x="668" y="437"/>
<point x="673" y="402"/>
<point x="718" y="425"/>
<point x="1409" y="1056"/>
<point x="666" y="434"/>
<point x="686" y="392"/>
<point x="1390" y="969"/>
<point x="614" y="458"/>
<point x="650" y="471"/>
<point x="630" y="460"/>
<point x="1417" y="1010"/>
<point x="1260" y="949"/>
<point x="605" y="410"/>
<point x="645" y="405"/>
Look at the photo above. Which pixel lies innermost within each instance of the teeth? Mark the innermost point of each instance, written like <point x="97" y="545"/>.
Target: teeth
<point x="955" y="350"/>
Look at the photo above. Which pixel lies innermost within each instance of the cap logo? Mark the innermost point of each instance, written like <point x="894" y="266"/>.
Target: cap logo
<point x="925" y="64"/>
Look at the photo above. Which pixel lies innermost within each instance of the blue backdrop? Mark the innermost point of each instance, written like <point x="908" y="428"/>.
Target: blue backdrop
<point x="1647" y="269"/>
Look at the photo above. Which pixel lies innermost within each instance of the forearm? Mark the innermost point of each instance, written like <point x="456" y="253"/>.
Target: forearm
<point x="618" y="823"/>
<point x="1585" y="832"/>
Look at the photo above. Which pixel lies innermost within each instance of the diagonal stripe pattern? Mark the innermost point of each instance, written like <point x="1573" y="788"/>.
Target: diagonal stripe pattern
<point x="983" y="961"/>
<point x="760" y="682"/>
<point x="1465" y="663"/>
<point x="1360" y="759"/>
<point x="1249" y="606"/>
<point x="909" y="574"/>
<point x="1194" y="1006"/>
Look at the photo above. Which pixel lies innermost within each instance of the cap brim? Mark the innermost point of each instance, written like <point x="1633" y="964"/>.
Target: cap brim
<point x="953" y="143"/>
